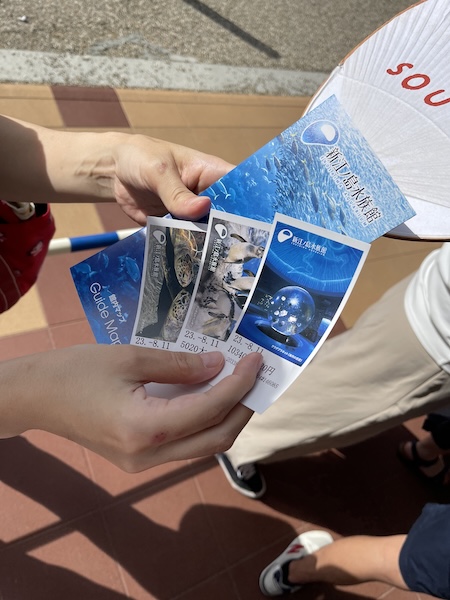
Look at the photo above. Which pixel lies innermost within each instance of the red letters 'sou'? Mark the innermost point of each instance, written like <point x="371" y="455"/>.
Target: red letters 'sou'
<point x="400" y="68"/>
<point x="428" y="100"/>
<point x="407" y="85"/>
<point x="425" y="80"/>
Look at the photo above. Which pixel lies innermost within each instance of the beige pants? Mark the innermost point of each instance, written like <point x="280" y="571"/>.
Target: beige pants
<point x="366" y="380"/>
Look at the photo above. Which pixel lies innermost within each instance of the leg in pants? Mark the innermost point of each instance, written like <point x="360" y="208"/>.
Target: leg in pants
<point x="364" y="381"/>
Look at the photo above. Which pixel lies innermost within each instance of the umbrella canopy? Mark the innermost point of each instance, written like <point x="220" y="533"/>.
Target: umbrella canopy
<point x="396" y="88"/>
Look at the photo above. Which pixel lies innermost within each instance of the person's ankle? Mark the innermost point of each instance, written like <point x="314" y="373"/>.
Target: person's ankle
<point x="292" y="571"/>
<point x="425" y="452"/>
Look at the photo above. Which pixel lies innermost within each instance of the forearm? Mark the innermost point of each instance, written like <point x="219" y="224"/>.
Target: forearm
<point x="21" y="384"/>
<point x="44" y="165"/>
<point x="144" y="175"/>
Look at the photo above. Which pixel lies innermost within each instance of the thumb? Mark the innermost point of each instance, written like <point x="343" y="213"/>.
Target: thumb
<point x="162" y="366"/>
<point x="183" y="204"/>
<point x="178" y="199"/>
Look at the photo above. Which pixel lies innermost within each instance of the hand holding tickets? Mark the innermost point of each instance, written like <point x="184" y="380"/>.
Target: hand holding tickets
<point x="107" y="408"/>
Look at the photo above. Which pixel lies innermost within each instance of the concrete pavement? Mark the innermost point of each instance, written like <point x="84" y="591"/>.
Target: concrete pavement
<point x="285" y="47"/>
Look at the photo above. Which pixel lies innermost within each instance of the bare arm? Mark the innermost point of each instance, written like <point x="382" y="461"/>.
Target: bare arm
<point x="146" y="176"/>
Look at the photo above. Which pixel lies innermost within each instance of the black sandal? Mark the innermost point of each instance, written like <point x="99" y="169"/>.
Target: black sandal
<point x="416" y="462"/>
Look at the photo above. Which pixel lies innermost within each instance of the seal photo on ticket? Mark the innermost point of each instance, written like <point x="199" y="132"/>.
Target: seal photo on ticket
<point x="234" y="248"/>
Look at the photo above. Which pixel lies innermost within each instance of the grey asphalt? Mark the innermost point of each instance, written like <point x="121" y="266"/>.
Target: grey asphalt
<point x="259" y="46"/>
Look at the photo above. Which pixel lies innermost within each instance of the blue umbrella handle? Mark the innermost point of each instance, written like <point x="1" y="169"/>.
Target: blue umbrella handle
<point x="88" y="242"/>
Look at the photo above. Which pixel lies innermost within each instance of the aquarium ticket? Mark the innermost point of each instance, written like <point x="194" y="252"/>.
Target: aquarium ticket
<point x="172" y="256"/>
<point x="233" y="252"/>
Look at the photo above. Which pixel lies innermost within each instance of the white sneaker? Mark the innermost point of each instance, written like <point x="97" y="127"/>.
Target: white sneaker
<point x="272" y="581"/>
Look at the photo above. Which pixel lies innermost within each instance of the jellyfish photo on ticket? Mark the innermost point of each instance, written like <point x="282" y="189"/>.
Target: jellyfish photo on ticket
<point x="307" y="275"/>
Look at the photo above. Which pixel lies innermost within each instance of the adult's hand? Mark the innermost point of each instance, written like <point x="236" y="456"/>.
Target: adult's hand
<point x="154" y="177"/>
<point x="95" y="395"/>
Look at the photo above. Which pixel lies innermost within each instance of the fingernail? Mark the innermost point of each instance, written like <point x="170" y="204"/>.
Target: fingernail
<point x="257" y="359"/>
<point x="212" y="360"/>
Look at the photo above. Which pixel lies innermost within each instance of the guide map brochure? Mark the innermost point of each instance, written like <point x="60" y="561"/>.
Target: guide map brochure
<point x="277" y="290"/>
<point x="287" y="236"/>
<point x="108" y="285"/>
